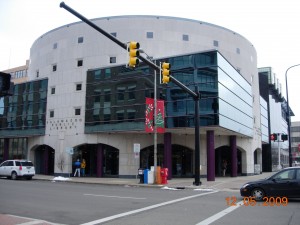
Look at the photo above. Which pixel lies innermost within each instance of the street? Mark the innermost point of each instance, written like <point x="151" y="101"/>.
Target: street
<point x="76" y="204"/>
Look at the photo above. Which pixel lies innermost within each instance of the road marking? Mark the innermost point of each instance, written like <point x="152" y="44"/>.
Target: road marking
<point x="112" y="196"/>
<point x="32" y="222"/>
<point x="144" y="209"/>
<point x="219" y="215"/>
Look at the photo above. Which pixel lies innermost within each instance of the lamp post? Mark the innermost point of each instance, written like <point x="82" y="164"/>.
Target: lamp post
<point x="289" y="114"/>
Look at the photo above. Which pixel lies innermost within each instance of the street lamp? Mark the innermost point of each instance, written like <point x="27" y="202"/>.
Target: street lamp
<point x="289" y="114"/>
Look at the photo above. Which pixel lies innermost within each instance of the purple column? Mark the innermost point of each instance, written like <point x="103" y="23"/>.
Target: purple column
<point x="99" y="160"/>
<point x="168" y="154"/>
<point x="6" y="149"/>
<point x="46" y="160"/>
<point x="233" y="156"/>
<point x="210" y="140"/>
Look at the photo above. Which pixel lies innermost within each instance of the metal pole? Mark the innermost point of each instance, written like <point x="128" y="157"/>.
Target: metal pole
<point x="279" y="166"/>
<point x="289" y="116"/>
<point x="197" y="137"/>
<point x="124" y="46"/>
<point x="155" y="129"/>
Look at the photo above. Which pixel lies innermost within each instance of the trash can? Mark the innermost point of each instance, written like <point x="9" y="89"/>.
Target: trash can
<point x="164" y="175"/>
<point x="146" y="171"/>
<point x="141" y="175"/>
<point x="150" y="176"/>
<point x="158" y="175"/>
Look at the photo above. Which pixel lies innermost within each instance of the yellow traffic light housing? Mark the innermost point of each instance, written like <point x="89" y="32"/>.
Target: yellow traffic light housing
<point x="165" y="72"/>
<point x="133" y="50"/>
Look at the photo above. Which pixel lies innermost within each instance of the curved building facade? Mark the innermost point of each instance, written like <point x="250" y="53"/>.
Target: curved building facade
<point x="95" y="106"/>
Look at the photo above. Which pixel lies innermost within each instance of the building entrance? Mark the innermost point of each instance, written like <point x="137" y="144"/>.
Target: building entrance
<point x="44" y="160"/>
<point x="182" y="159"/>
<point x="107" y="159"/>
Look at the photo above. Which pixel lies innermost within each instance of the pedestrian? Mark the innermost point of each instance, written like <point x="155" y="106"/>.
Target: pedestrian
<point x="83" y="165"/>
<point x="77" y="168"/>
<point x="224" y="167"/>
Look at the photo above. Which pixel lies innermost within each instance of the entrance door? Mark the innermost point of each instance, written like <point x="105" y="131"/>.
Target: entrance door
<point x="110" y="162"/>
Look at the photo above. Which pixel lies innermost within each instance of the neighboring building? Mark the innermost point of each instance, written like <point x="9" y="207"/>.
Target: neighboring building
<point x="270" y="91"/>
<point x="295" y="141"/>
<point x="81" y="96"/>
<point x="18" y="74"/>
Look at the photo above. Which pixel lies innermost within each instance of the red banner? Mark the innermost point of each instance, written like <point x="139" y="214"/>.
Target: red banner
<point x="149" y="116"/>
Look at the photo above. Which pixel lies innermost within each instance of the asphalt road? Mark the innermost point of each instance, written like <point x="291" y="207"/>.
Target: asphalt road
<point x="77" y="204"/>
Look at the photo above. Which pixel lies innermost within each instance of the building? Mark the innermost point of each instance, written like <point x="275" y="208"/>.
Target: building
<point x="271" y="92"/>
<point x="81" y="101"/>
<point x="18" y="74"/>
<point x="295" y="141"/>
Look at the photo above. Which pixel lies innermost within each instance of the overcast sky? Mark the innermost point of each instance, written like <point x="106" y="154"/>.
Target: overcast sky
<point x="272" y="26"/>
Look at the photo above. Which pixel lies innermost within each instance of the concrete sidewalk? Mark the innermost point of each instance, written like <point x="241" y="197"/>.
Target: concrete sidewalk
<point x="220" y="183"/>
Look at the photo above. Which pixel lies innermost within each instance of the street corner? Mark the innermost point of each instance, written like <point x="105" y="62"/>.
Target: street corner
<point x="6" y="219"/>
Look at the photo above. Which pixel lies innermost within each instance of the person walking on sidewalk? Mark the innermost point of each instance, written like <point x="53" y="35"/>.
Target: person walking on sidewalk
<point x="83" y="165"/>
<point x="77" y="168"/>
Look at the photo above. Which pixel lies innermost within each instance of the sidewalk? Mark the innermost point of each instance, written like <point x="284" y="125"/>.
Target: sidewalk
<point x="220" y="183"/>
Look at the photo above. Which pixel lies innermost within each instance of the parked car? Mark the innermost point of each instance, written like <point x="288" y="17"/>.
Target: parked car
<point x="17" y="168"/>
<point x="285" y="183"/>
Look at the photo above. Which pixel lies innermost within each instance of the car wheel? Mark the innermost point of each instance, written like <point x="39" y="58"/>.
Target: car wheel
<point x="258" y="194"/>
<point x="14" y="175"/>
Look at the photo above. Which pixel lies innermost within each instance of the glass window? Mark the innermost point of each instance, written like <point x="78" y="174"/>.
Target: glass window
<point x="185" y="37"/>
<point x="150" y="35"/>
<point x="131" y="92"/>
<point x="285" y="175"/>
<point x="112" y="59"/>
<point x="107" y="73"/>
<point x="77" y="111"/>
<point x="54" y="67"/>
<point x="216" y="43"/>
<point x="37" y="73"/>
<point x="51" y="113"/>
<point x="238" y="51"/>
<point x="97" y="74"/>
<point x="298" y="174"/>
<point x="52" y="90"/>
<point x="79" y="62"/>
<point x="121" y="93"/>
<point x="107" y="93"/>
<point x="55" y="46"/>
<point x="78" y="87"/>
<point x="80" y="40"/>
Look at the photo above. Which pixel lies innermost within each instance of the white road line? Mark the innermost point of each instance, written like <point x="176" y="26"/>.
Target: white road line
<point x="219" y="215"/>
<point x="112" y="196"/>
<point x="32" y="222"/>
<point x="144" y="209"/>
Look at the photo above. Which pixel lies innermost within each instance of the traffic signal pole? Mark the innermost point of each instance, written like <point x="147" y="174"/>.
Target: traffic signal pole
<point x="195" y="94"/>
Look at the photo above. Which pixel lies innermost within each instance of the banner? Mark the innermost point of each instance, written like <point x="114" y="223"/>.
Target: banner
<point x="160" y="116"/>
<point x="149" y="116"/>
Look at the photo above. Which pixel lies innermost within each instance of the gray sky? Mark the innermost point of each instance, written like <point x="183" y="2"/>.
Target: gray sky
<point x="272" y="26"/>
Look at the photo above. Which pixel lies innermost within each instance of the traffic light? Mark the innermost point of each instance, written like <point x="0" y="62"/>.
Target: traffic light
<point x="165" y="72"/>
<point x="284" y="137"/>
<point x="273" y="137"/>
<point x="4" y="82"/>
<point x="133" y="50"/>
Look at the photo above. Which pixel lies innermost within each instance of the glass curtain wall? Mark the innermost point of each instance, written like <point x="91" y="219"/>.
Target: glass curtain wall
<point x="115" y="98"/>
<point x="24" y="113"/>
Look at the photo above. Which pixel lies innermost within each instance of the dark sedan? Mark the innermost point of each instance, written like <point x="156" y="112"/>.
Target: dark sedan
<point x="285" y="183"/>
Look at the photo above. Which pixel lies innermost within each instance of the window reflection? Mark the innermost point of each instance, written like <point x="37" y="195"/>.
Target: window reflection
<point x="225" y="95"/>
